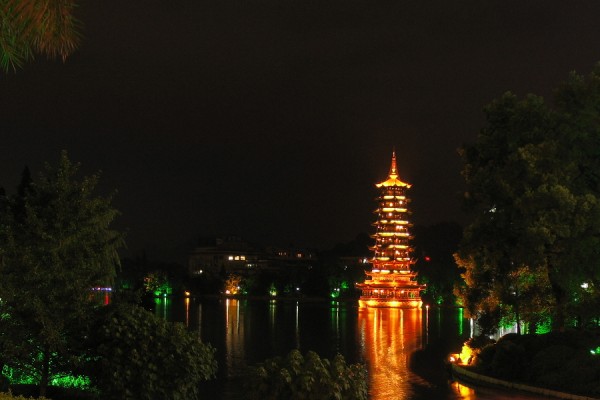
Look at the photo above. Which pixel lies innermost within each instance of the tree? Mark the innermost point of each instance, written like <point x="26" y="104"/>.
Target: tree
<point x="534" y="191"/>
<point x="136" y="355"/>
<point x="232" y="284"/>
<point x="47" y="27"/>
<point x="296" y="377"/>
<point x="56" y="245"/>
<point x="434" y="248"/>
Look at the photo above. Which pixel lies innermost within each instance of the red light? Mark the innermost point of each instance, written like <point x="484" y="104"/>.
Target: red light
<point x="427" y="258"/>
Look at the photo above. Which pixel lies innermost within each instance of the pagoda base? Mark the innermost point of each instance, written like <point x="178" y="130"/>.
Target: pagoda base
<point x="375" y="302"/>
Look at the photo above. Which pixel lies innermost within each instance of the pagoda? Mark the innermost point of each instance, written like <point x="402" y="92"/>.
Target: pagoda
<point x="391" y="283"/>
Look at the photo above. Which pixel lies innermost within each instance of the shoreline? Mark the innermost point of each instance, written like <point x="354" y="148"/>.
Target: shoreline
<point x="467" y="376"/>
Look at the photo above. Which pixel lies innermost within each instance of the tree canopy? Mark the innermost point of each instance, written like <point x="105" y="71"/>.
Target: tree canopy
<point x="29" y="27"/>
<point x="531" y="252"/>
<point x="56" y="245"/>
<point x="140" y="356"/>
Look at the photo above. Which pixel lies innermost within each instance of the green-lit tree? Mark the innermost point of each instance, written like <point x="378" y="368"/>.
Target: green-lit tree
<point x="29" y="27"/>
<point x="533" y="188"/>
<point x="56" y="246"/>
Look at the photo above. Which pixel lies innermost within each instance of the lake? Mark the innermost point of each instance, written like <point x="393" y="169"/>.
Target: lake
<point x="402" y="349"/>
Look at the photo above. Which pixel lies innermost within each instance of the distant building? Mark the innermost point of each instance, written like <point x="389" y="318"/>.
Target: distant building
<point x="390" y="282"/>
<point x="231" y="254"/>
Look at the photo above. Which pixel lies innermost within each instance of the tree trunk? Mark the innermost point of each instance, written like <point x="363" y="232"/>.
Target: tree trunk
<point x="560" y="297"/>
<point x="518" y="318"/>
<point x="45" y="372"/>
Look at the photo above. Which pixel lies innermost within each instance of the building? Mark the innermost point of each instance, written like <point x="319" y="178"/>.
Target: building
<point x="390" y="282"/>
<point x="223" y="255"/>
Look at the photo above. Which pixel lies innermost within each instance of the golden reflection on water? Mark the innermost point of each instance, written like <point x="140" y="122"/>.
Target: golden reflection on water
<point x="234" y="335"/>
<point x="388" y="336"/>
<point x="463" y="392"/>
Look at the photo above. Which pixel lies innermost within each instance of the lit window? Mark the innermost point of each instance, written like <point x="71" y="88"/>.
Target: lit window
<point x="230" y="258"/>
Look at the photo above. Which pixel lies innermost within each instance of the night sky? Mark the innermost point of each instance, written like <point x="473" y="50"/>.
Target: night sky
<point x="273" y="119"/>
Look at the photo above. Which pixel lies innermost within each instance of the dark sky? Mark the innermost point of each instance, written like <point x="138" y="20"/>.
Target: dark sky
<point x="272" y="119"/>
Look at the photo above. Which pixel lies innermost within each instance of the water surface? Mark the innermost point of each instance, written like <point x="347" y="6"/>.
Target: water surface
<point x="402" y="349"/>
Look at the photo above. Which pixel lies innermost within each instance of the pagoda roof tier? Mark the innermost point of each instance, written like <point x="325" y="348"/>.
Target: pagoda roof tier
<point x="392" y="222"/>
<point x="394" y="271"/>
<point x="389" y="258"/>
<point x="393" y="180"/>
<point x="392" y="209"/>
<point x="380" y="246"/>
<point x="398" y="263"/>
<point x="387" y="285"/>
<point x="406" y="283"/>
<point x="385" y="221"/>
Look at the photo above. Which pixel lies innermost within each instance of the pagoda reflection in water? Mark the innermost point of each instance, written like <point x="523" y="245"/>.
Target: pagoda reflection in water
<point x="391" y="282"/>
<point x="388" y="336"/>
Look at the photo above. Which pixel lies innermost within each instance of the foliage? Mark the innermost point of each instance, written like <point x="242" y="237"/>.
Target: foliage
<point x="56" y="245"/>
<point x="232" y="284"/>
<point x="157" y="283"/>
<point x="137" y="355"/>
<point x="10" y="396"/>
<point x="47" y="27"/>
<point x="434" y="246"/>
<point x="533" y="179"/>
<point x="309" y="377"/>
<point x="338" y="269"/>
<point x="558" y="360"/>
<point x="142" y="276"/>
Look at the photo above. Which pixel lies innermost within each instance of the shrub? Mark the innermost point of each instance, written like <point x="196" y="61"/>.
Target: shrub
<point x="10" y="396"/>
<point x="296" y="377"/>
<point x="548" y="362"/>
<point x="556" y="360"/>
<point x="483" y="359"/>
<point x="508" y="360"/>
<point x="140" y="356"/>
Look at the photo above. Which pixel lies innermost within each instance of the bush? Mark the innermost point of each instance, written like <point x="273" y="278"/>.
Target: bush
<point x="483" y="359"/>
<point x="548" y="362"/>
<point x="310" y="377"/>
<point x="10" y="396"/>
<point x="140" y="356"/>
<point x="557" y="360"/>
<point x="508" y="359"/>
<point x="54" y="393"/>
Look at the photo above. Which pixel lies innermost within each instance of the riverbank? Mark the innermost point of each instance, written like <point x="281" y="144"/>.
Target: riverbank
<point x="468" y="376"/>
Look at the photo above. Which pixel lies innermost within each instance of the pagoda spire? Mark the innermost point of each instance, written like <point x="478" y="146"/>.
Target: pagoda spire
<point x="393" y="168"/>
<point x="393" y="175"/>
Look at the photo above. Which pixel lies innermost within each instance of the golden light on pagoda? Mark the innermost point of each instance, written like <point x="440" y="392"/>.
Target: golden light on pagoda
<point x="390" y="283"/>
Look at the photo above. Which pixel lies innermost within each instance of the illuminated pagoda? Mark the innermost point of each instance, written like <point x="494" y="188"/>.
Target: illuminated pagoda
<point x="391" y="283"/>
